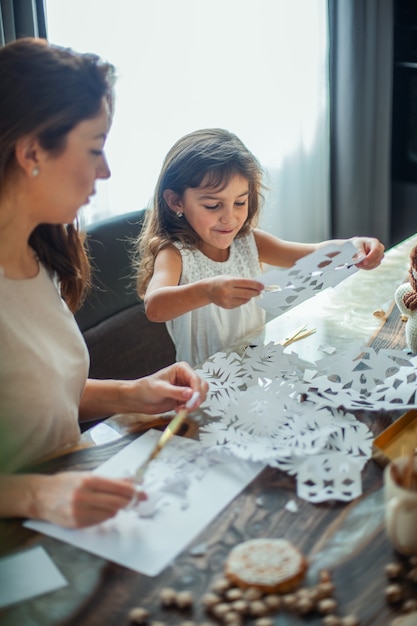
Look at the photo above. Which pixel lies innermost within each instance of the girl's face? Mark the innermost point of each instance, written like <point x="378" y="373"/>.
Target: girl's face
<point x="66" y="182"/>
<point x="217" y="215"/>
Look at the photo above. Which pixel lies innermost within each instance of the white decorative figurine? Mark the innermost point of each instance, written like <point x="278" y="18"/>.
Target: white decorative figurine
<point x="406" y="300"/>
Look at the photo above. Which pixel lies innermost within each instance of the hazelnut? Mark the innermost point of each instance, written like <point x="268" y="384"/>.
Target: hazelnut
<point x="138" y="615"/>
<point x="257" y="608"/>
<point x="221" y="585"/>
<point x="252" y="593"/>
<point x="394" y="593"/>
<point x="240" y="606"/>
<point x="264" y="621"/>
<point x="273" y="601"/>
<point x="289" y="601"/>
<point x="393" y="570"/>
<point x="410" y="605"/>
<point x="327" y="606"/>
<point x="325" y="590"/>
<point x="234" y="593"/>
<point x="210" y="599"/>
<point x="350" y="620"/>
<point x="184" y="599"/>
<point x="304" y="605"/>
<point x="168" y="596"/>
<point x="220" y="610"/>
<point x="332" y="620"/>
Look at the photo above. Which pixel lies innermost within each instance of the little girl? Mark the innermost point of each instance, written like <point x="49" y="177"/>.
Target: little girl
<point x="200" y="250"/>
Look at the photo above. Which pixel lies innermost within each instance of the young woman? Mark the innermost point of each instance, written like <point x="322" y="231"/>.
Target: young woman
<point x="200" y="250"/>
<point x="55" y="112"/>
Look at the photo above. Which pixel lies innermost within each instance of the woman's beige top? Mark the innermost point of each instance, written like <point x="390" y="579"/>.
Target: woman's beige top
<point x="43" y="369"/>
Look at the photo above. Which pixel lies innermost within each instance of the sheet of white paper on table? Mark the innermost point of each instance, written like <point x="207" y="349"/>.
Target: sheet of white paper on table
<point x="28" y="574"/>
<point x="148" y="545"/>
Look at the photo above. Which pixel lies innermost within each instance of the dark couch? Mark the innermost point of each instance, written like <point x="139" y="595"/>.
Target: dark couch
<point x="122" y="342"/>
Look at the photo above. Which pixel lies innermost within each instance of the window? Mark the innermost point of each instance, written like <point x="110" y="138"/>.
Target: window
<point x="258" y="68"/>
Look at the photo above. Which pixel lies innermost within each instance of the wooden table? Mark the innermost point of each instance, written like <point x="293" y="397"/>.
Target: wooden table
<point x="348" y="539"/>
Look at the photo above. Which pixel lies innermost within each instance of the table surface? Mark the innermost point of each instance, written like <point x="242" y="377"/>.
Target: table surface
<point x="348" y="539"/>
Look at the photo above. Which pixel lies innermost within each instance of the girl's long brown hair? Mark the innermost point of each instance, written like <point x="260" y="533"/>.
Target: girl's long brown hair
<point x="209" y="156"/>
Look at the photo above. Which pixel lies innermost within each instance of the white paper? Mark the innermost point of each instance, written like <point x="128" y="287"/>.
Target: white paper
<point x="148" y="545"/>
<point x="326" y="267"/>
<point x="26" y="575"/>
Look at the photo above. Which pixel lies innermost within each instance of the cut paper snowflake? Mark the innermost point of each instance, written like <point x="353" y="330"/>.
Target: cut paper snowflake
<point x="268" y="405"/>
<point x="326" y="267"/>
<point x="331" y="477"/>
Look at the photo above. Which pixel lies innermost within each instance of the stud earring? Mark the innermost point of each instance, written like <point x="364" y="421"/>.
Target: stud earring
<point x="179" y="214"/>
<point x="35" y="172"/>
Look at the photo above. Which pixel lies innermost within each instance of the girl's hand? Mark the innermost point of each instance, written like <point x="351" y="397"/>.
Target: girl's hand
<point x="371" y="249"/>
<point x="167" y="389"/>
<point x="230" y="293"/>
<point x="80" y="499"/>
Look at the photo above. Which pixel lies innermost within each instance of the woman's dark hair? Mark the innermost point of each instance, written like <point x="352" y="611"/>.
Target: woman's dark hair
<point x="45" y="91"/>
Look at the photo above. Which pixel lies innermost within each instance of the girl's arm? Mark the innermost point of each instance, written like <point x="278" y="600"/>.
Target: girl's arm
<point x="165" y="299"/>
<point x="274" y="251"/>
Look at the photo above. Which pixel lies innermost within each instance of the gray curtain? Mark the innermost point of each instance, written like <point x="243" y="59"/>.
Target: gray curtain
<point x="21" y="18"/>
<point x="361" y="61"/>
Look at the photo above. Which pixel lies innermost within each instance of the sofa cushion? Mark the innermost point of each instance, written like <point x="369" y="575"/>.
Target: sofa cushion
<point x="122" y="342"/>
<point x="127" y="345"/>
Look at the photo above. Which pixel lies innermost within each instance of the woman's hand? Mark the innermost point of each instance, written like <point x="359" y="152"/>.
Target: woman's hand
<point x="79" y="499"/>
<point x="167" y="389"/>
<point x="370" y="250"/>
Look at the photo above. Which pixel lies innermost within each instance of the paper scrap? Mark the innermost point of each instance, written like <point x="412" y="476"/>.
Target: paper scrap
<point x="28" y="574"/>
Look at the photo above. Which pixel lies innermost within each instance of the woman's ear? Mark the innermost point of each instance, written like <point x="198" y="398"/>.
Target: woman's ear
<point x="173" y="200"/>
<point x="27" y="154"/>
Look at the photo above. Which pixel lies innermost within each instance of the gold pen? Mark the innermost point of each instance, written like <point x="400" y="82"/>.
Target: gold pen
<point x="170" y="430"/>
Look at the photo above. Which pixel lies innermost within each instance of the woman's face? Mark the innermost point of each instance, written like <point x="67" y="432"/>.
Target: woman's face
<point x="66" y="182"/>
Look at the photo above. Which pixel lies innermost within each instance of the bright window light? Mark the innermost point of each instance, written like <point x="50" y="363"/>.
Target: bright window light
<point x="254" y="67"/>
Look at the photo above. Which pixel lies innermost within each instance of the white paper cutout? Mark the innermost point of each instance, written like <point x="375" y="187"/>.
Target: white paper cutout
<point x="326" y="267"/>
<point x="330" y="477"/>
<point x="148" y="544"/>
<point x="270" y="406"/>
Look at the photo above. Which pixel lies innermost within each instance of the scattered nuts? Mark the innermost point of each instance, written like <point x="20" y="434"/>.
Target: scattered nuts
<point x="332" y="620"/>
<point x="234" y="593"/>
<point x="393" y="570"/>
<point x="326" y="606"/>
<point x="325" y="590"/>
<point x="240" y="606"/>
<point x="350" y="620"/>
<point x="410" y="605"/>
<point x="168" y="596"/>
<point x="379" y="313"/>
<point x="138" y="615"/>
<point x="324" y="576"/>
<point x="221" y="585"/>
<point x="220" y="610"/>
<point x="184" y="599"/>
<point x="273" y="601"/>
<point x="257" y="608"/>
<point x="252" y="593"/>
<point x="394" y="593"/>
<point x="210" y="599"/>
<point x="264" y="621"/>
<point x="304" y="605"/>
